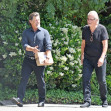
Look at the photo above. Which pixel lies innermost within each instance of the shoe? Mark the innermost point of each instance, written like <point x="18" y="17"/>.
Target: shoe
<point x="86" y="104"/>
<point x="17" y="101"/>
<point x="41" y="104"/>
<point x="105" y="103"/>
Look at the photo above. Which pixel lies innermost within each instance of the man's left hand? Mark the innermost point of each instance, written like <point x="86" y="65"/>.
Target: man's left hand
<point x="100" y="62"/>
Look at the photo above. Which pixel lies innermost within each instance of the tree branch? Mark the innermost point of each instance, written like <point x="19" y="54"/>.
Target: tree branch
<point x="104" y="9"/>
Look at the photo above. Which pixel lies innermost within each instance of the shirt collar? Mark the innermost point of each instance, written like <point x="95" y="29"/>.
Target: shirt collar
<point x="39" y="28"/>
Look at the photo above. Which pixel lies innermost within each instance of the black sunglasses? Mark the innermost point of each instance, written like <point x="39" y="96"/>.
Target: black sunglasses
<point x="91" y="37"/>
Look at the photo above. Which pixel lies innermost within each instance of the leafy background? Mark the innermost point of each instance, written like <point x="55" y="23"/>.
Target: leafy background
<point x="64" y="20"/>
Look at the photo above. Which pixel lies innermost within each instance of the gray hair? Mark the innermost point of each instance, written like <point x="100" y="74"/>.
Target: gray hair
<point x="95" y="14"/>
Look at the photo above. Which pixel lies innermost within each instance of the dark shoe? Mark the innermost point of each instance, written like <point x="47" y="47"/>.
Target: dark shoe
<point x="17" y="101"/>
<point x="105" y="103"/>
<point x="86" y="104"/>
<point x="41" y="104"/>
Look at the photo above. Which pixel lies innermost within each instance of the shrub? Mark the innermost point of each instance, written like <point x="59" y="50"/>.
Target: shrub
<point x="66" y="70"/>
<point x="107" y="23"/>
<point x="65" y="73"/>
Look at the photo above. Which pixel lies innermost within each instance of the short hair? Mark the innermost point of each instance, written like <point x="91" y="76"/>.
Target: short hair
<point x="34" y="14"/>
<point x="95" y="14"/>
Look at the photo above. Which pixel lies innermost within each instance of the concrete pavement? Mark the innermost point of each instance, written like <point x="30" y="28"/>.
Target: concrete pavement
<point x="53" y="107"/>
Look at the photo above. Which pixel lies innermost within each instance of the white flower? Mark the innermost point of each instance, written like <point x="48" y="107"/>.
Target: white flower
<point x="61" y="74"/>
<point x="20" y="52"/>
<point x="56" y="57"/>
<point x="74" y="27"/>
<point x="5" y="43"/>
<point x="60" y="64"/>
<point x="55" y="44"/>
<point x="72" y="72"/>
<point x="80" y="75"/>
<point x="49" y="72"/>
<point x="20" y="38"/>
<point x="64" y="58"/>
<point x="65" y="30"/>
<point x="66" y="43"/>
<point x="57" y="51"/>
<point x="66" y="68"/>
<point x="52" y="41"/>
<point x="4" y="56"/>
<point x="70" y="57"/>
<point x="53" y="51"/>
<point x="57" y="22"/>
<point x="50" y="24"/>
<point x="75" y="62"/>
<point x="51" y="68"/>
<point x="12" y="54"/>
<point x="16" y="44"/>
<point x="63" y="39"/>
<point x="16" y="31"/>
<point x="71" y="63"/>
<point x="74" y="85"/>
<point x="67" y="39"/>
<point x="53" y="27"/>
<point x="72" y="50"/>
<point x="68" y="25"/>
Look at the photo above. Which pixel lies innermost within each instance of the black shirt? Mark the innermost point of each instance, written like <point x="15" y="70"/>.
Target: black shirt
<point x="94" y="48"/>
<point x="40" y="38"/>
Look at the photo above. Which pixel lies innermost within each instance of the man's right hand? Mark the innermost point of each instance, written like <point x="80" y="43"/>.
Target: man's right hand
<point x="35" y="49"/>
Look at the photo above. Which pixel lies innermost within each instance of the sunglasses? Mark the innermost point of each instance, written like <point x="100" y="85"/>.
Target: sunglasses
<point x="90" y="19"/>
<point x="91" y="37"/>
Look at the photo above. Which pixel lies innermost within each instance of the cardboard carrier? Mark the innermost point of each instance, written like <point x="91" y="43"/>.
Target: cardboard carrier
<point x="40" y="58"/>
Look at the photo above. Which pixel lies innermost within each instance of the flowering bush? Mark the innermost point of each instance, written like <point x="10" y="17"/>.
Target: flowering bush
<point x="11" y="53"/>
<point x="66" y="70"/>
<point x="65" y="73"/>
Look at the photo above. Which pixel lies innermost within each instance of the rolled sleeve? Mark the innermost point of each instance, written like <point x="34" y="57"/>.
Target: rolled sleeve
<point x="48" y="43"/>
<point x="24" y="40"/>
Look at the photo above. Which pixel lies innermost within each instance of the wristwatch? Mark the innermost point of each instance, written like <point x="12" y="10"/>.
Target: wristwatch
<point x="47" y="57"/>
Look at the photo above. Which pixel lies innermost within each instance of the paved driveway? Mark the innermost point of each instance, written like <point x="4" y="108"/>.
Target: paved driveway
<point x="53" y="107"/>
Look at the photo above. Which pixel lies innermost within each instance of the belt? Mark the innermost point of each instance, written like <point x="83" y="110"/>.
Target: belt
<point x="30" y="57"/>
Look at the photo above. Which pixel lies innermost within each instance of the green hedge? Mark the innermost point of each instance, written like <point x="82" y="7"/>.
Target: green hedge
<point x="55" y="96"/>
<point x="65" y="73"/>
<point x="107" y="22"/>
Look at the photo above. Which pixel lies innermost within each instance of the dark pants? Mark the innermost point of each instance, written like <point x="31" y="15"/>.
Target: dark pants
<point x="27" y="67"/>
<point x="88" y="66"/>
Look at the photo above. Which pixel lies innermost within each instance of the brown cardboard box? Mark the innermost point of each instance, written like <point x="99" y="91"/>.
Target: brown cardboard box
<point x="40" y="58"/>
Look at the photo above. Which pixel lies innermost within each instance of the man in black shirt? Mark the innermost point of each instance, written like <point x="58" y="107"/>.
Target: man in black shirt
<point x="93" y="56"/>
<point x="34" y="39"/>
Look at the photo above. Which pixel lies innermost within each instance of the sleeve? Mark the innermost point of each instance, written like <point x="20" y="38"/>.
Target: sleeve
<point x="24" y="40"/>
<point x="104" y="34"/>
<point x="48" y="43"/>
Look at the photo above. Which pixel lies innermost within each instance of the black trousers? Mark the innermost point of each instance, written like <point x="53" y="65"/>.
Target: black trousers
<point x="88" y="66"/>
<point x="27" y="67"/>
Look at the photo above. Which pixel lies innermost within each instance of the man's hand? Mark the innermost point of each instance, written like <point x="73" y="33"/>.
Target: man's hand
<point x="100" y="62"/>
<point x="35" y="49"/>
<point x="46" y="60"/>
